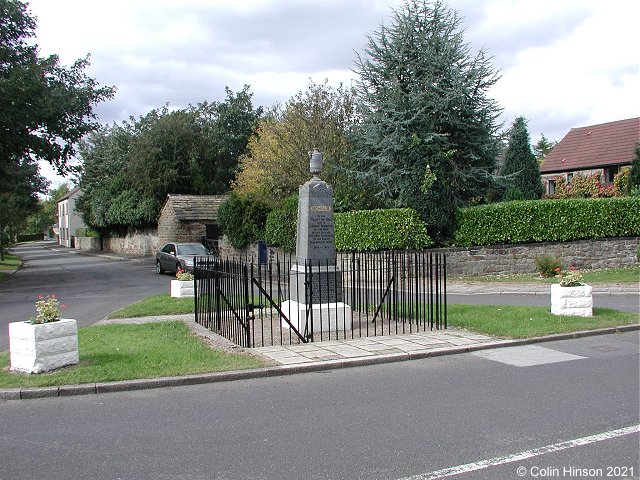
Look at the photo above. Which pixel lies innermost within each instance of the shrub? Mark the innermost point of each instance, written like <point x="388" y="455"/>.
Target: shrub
<point x="548" y="266"/>
<point x="621" y="180"/>
<point x="86" y="232"/>
<point x="548" y="221"/>
<point x="590" y="186"/>
<point x="281" y="226"/>
<point x="389" y="229"/>
<point x="29" y="237"/>
<point x="242" y="219"/>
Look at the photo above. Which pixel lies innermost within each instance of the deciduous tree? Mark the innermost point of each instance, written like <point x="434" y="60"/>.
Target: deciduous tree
<point x="129" y="169"/>
<point x="45" y="108"/>
<point x="277" y="160"/>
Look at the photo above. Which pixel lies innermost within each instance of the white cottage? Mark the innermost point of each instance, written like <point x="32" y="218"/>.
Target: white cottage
<point x="68" y="219"/>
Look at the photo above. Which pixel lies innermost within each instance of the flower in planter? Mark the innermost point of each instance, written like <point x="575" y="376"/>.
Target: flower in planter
<point x="569" y="278"/>
<point x="48" y="309"/>
<point x="184" y="276"/>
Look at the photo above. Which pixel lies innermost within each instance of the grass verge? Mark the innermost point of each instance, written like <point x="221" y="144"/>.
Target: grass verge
<point x="10" y="263"/>
<point x="162" y="304"/>
<point x="526" y="322"/>
<point x="609" y="275"/>
<point x="124" y="352"/>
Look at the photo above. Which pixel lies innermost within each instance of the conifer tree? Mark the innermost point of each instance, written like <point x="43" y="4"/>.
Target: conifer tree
<point x="426" y="136"/>
<point x="521" y="168"/>
<point x="633" y="182"/>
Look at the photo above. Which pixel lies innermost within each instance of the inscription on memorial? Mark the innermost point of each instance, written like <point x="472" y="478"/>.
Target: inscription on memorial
<point x="321" y="234"/>
<point x="324" y="287"/>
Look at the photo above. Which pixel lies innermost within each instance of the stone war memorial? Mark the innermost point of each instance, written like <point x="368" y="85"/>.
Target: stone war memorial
<point x="315" y="283"/>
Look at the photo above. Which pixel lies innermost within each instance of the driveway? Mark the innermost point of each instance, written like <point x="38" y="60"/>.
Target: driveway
<point x="91" y="286"/>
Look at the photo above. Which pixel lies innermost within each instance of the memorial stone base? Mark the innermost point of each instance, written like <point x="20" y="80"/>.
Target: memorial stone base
<point x="326" y="317"/>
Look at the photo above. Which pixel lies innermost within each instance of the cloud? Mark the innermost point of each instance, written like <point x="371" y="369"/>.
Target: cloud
<point x="563" y="63"/>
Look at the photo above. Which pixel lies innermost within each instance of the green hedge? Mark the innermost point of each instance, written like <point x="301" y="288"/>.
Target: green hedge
<point x="281" y="227"/>
<point x="548" y="221"/>
<point x="389" y="229"/>
<point x="29" y="237"/>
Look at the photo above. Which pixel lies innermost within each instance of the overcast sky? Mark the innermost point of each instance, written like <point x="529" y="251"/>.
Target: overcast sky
<point x="563" y="63"/>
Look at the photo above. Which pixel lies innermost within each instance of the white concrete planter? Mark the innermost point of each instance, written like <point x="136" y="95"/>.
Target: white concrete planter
<point x="577" y="301"/>
<point x="181" y="288"/>
<point x="38" y="348"/>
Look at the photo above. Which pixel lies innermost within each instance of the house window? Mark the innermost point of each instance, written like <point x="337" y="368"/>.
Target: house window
<point x="569" y="178"/>
<point x="610" y="172"/>
<point x="552" y="187"/>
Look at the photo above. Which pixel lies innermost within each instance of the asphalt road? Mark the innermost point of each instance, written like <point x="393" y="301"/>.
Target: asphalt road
<point x="91" y="286"/>
<point x="567" y="403"/>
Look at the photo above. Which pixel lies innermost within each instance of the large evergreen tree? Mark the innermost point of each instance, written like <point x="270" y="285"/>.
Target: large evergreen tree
<point x="427" y="132"/>
<point x="521" y="169"/>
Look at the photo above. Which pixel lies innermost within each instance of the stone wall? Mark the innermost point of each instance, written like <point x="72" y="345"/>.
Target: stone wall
<point x="514" y="259"/>
<point x="226" y="250"/>
<point x="87" y="243"/>
<point x="170" y="229"/>
<point x="511" y="259"/>
<point x="136" y="243"/>
<point x="490" y="260"/>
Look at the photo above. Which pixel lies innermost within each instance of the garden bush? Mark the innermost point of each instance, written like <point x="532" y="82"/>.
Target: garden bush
<point x="242" y="219"/>
<point x="281" y="227"/>
<point x="548" y="267"/>
<point x="548" y="221"/>
<point x="28" y="237"/>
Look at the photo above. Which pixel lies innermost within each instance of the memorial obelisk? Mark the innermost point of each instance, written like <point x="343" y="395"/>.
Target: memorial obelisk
<point x="315" y="288"/>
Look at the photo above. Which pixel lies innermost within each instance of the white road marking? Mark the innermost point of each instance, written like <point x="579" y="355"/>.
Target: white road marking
<point x="526" y="355"/>
<point x="516" y="457"/>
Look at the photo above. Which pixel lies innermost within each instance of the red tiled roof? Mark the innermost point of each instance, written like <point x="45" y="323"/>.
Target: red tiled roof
<point x="595" y="146"/>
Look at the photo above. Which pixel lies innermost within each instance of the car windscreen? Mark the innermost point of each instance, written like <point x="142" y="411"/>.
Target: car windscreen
<point x="192" y="250"/>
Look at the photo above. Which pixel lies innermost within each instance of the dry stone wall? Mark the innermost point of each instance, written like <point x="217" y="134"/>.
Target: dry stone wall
<point x="514" y="259"/>
<point x="136" y="243"/>
<point x="489" y="260"/>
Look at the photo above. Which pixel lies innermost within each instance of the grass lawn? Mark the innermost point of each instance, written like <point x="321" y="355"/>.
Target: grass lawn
<point x="10" y="263"/>
<point x="124" y="352"/>
<point x="525" y="322"/>
<point x="609" y="275"/>
<point x="163" y="304"/>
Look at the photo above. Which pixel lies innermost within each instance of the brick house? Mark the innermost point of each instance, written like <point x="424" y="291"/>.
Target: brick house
<point x="190" y="218"/>
<point x="603" y="148"/>
<point x="68" y="219"/>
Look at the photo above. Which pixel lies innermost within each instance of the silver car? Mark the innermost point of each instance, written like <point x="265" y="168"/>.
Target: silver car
<point x="174" y="256"/>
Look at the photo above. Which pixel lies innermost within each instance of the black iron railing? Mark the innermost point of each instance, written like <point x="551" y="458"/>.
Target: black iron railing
<point x="280" y="302"/>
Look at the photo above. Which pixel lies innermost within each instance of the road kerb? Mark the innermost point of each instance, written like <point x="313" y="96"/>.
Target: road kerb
<point x="283" y="370"/>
